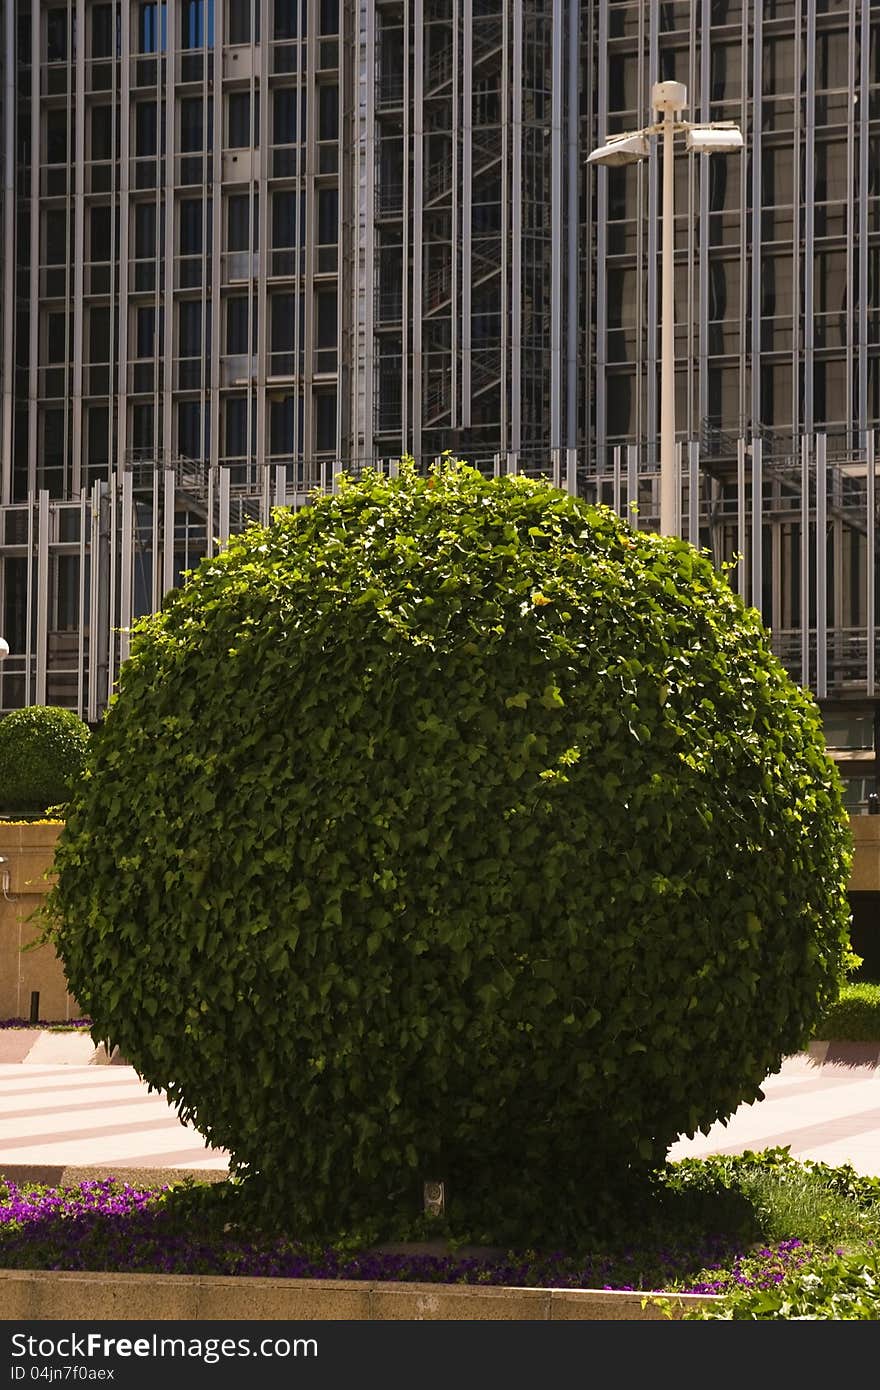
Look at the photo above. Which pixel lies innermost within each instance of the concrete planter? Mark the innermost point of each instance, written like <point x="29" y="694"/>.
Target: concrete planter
<point x="48" y="1295"/>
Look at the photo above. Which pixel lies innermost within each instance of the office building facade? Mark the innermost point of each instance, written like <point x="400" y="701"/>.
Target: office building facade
<point x="248" y="243"/>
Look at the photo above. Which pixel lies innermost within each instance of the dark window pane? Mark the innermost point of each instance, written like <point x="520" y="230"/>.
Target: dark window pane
<point x="328" y="216"/>
<point x="102" y="31"/>
<point x="325" y="420"/>
<point x="328" y="113"/>
<point x="100" y="225"/>
<point x="190" y="328"/>
<point x="287" y="19"/>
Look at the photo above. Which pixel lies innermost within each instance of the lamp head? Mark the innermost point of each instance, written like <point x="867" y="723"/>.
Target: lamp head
<point x="620" y="149"/>
<point x="714" y="139"/>
<point x="669" y="96"/>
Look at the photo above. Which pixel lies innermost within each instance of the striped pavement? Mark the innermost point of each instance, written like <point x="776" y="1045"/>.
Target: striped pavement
<point x="62" y="1116"/>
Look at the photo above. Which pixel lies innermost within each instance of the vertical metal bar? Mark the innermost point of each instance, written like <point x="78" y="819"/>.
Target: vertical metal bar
<point x="10" y="235"/>
<point x="455" y="317"/>
<point x="280" y="485"/>
<point x="805" y="560"/>
<point x="166" y="306"/>
<point x="601" y="225"/>
<point x="556" y="466"/>
<point x="755" y="152"/>
<point x="615" y="483"/>
<point x="214" y="307"/>
<point x="572" y="237"/>
<point x="821" y="568"/>
<point x="571" y="471"/>
<point x="126" y="570"/>
<point x="156" y="575"/>
<point x="703" y="270"/>
<point x="260" y="63"/>
<point x="42" y="642"/>
<point x="516" y="226"/>
<point x="112" y="621"/>
<point x="121" y="93"/>
<point x="506" y="6"/>
<point x="849" y="296"/>
<point x="632" y="486"/>
<point x="266" y="497"/>
<point x="94" y="601"/>
<point x="467" y="126"/>
<point x="651" y="422"/>
<point x="512" y="462"/>
<point x="34" y="286"/>
<point x="694" y="492"/>
<point x="557" y="225"/>
<point x="370" y="223"/>
<point x="224" y="506"/>
<point x="742" y="582"/>
<point x="412" y="308"/>
<point x="168" y="531"/>
<point x="73" y="465"/>
<point x="870" y="560"/>
<point x="210" y="538"/>
<point x="757" y="525"/>
<point x="809" y="221"/>
<point x="864" y="147"/>
<point x="81" y="606"/>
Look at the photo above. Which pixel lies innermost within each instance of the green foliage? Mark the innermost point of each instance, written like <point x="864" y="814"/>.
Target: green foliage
<point x="450" y="828"/>
<point x="844" y="1287"/>
<point x="855" y="1015"/>
<point x="43" y="752"/>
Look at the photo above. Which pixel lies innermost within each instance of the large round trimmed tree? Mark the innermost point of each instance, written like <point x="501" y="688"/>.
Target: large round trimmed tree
<point x="451" y="829"/>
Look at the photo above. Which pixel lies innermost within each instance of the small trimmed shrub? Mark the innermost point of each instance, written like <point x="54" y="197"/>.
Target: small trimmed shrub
<point x="854" y="1016"/>
<point x="43" y="752"/>
<point x="451" y="829"/>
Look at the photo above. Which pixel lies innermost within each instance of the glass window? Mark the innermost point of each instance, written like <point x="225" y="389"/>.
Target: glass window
<point x="283" y="309"/>
<point x="99" y="335"/>
<point x="189" y="336"/>
<point x="56" y="36"/>
<point x="237" y="325"/>
<point x="287" y="18"/>
<point x="328" y="113"/>
<point x="98" y="434"/>
<point x="236" y="428"/>
<point x="145" y="331"/>
<point x="55" y="248"/>
<point x="144" y="230"/>
<point x="100" y="233"/>
<point x="288" y="104"/>
<point x="239" y="127"/>
<point x="191" y="416"/>
<point x="328" y="216"/>
<point x="153" y="28"/>
<point x="192" y="124"/>
<point x="142" y="427"/>
<point x="238" y="222"/>
<point x="56" y="137"/>
<point x="242" y="18"/>
<point x="326" y="318"/>
<point x="329" y="17"/>
<point x="197" y="24"/>
<point x="102" y="31"/>
<point x="102" y="132"/>
<point x="284" y="219"/>
<point x="146" y="128"/>
<point x="56" y="337"/>
<point x="325" y="420"/>
<point x="193" y="215"/>
<point x="282" y="425"/>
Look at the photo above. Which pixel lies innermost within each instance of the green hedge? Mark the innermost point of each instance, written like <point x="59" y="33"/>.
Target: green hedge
<point x="449" y="828"/>
<point x="43" y="751"/>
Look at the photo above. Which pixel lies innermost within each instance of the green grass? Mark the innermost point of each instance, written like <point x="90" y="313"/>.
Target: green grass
<point x="854" y="1018"/>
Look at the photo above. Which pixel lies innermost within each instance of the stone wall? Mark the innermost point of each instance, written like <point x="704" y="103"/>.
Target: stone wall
<point x="28" y="850"/>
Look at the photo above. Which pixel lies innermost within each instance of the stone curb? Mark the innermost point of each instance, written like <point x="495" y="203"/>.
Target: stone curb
<point x="78" y="1296"/>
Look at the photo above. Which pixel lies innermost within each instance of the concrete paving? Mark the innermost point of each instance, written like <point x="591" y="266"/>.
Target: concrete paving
<point x="63" y="1117"/>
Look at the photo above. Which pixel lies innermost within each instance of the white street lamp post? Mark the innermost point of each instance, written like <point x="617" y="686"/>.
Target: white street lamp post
<point x="717" y="136"/>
